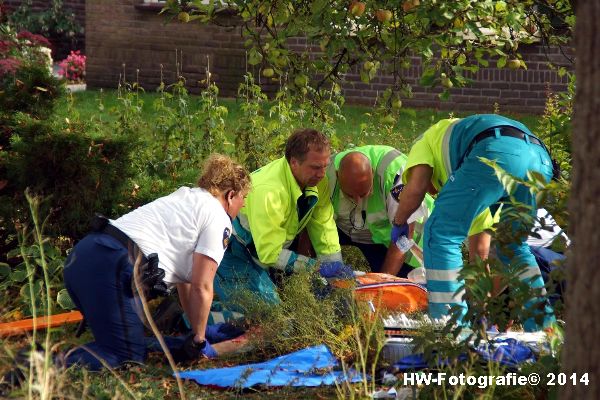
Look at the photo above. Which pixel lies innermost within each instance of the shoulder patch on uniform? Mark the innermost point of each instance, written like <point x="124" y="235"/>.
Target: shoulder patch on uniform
<point x="396" y="190"/>
<point x="226" y="237"/>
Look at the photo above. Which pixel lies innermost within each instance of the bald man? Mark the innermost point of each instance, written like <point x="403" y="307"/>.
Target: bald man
<point x="364" y="185"/>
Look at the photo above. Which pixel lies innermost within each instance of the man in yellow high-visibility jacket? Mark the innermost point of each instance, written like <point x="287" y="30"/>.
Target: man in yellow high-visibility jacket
<point x="288" y="195"/>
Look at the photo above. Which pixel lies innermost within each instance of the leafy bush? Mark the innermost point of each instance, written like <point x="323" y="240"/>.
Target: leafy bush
<point x="27" y="87"/>
<point x="309" y="313"/>
<point x="27" y="294"/>
<point x="30" y="90"/>
<point x="453" y="39"/>
<point x="81" y="173"/>
<point x="260" y="138"/>
<point x="26" y="81"/>
<point x="185" y="133"/>
<point x="556" y="127"/>
<point x="256" y="139"/>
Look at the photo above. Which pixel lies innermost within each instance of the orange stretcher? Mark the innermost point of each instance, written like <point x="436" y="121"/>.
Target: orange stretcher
<point x="389" y="292"/>
<point x="25" y="325"/>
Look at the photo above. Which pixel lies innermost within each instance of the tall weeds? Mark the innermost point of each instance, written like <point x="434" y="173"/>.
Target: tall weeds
<point x="44" y="378"/>
<point x="38" y="378"/>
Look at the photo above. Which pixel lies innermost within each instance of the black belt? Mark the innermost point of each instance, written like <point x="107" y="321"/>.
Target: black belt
<point x="125" y="240"/>
<point x="505" y="131"/>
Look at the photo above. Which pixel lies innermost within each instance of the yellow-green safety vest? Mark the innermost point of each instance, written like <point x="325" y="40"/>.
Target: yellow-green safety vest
<point x="269" y="219"/>
<point x="388" y="165"/>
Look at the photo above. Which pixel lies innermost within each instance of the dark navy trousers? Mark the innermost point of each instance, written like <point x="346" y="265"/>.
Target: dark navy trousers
<point x="98" y="275"/>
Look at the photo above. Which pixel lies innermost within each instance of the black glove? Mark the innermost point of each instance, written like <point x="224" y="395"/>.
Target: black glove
<point x="194" y="350"/>
<point x="152" y="279"/>
<point x="556" y="173"/>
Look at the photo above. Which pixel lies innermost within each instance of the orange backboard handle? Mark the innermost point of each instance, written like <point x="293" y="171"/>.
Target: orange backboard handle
<point x="26" y="325"/>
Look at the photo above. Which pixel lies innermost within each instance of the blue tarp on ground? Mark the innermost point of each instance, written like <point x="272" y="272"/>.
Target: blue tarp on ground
<point x="508" y="352"/>
<point x="312" y="366"/>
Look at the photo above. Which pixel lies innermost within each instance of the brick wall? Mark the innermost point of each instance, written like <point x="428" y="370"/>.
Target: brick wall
<point x="122" y="39"/>
<point x="125" y="37"/>
<point x="515" y="90"/>
<point x="63" y="46"/>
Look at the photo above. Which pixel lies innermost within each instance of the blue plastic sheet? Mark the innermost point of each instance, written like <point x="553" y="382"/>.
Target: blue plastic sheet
<point x="312" y="366"/>
<point x="509" y="352"/>
<point x="418" y="362"/>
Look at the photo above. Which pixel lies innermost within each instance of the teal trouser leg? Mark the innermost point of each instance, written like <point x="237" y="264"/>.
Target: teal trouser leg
<point x="238" y="273"/>
<point x="520" y="255"/>
<point x="472" y="189"/>
<point x="218" y="314"/>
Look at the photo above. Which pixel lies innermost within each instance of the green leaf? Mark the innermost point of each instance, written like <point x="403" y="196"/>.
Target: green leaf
<point x="427" y="52"/>
<point x="448" y="15"/>
<point x="318" y="6"/>
<point x="501" y="62"/>
<point x="4" y="270"/>
<point x="37" y="289"/>
<point x="364" y="76"/>
<point x="254" y="57"/>
<point x="409" y="111"/>
<point x="18" y="276"/>
<point x="562" y="71"/>
<point x="64" y="300"/>
<point x="13" y="253"/>
<point x="428" y="77"/>
<point x="461" y="59"/>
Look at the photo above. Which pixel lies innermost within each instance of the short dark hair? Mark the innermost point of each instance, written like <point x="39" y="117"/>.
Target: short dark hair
<point x="302" y="141"/>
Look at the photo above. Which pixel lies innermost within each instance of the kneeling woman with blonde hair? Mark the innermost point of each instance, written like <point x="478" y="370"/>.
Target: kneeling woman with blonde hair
<point x="183" y="234"/>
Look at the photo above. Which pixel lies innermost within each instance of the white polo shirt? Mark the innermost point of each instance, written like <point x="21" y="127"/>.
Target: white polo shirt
<point x="175" y="226"/>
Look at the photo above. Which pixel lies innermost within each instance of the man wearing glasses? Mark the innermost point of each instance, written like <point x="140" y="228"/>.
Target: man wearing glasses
<point x="364" y="185"/>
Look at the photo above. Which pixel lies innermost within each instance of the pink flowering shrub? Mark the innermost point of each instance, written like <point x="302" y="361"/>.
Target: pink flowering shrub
<point x="31" y="39"/>
<point x="23" y="48"/>
<point x="72" y="68"/>
<point x="9" y="65"/>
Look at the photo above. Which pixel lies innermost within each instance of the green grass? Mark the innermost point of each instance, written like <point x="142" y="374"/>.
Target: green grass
<point x="410" y="124"/>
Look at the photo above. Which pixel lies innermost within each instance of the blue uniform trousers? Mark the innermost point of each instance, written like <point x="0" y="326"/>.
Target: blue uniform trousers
<point x="98" y="276"/>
